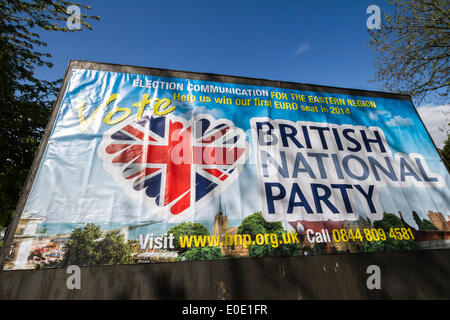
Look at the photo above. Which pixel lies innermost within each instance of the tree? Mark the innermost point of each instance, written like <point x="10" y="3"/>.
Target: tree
<point x="320" y="248"/>
<point x="256" y="224"/>
<point x="423" y="224"/>
<point x="445" y="152"/>
<point x="271" y="250"/>
<point x="113" y="250"/>
<point x="201" y="253"/>
<point x="427" y="225"/>
<point x="412" y="49"/>
<point x="417" y="219"/>
<point x="25" y="101"/>
<point x="186" y="229"/>
<point x="90" y="246"/>
<point x="389" y="221"/>
<point x="81" y="249"/>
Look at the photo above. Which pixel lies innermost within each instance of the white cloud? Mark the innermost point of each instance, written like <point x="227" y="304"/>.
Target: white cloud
<point x="399" y="121"/>
<point x="303" y="48"/>
<point x="390" y="119"/>
<point x="436" y="120"/>
<point x="375" y="115"/>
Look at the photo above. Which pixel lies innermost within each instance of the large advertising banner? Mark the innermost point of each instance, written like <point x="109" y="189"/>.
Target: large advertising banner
<point x="144" y="167"/>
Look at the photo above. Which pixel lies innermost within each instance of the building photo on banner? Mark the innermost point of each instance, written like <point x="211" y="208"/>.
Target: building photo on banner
<point x="150" y="165"/>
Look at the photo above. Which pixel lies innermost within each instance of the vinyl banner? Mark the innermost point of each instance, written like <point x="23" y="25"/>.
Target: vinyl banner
<point x="146" y="165"/>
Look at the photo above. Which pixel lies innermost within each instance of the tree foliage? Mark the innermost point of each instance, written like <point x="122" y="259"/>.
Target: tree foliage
<point x="423" y="224"/>
<point x="389" y="221"/>
<point x="270" y="250"/>
<point x="186" y="229"/>
<point x="445" y="152"/>
<point x="25" y="101"/>
<point x="90" y="246"/>
<point x="201" y="253"/>
<point x="256" y="224"/>
<point x="417" y="219"/>
<point x="412" y="49"/>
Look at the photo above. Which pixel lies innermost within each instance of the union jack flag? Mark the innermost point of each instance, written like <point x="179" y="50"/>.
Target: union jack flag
<point x="175" y="163"/>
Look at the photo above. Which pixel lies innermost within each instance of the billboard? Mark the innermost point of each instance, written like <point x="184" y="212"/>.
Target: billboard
<point x="142" y="165"/>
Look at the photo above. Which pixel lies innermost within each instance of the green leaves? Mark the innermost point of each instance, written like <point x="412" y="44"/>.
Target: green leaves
<point x="90" y="246"/>
<point x="187" y="229"/>
<point x="445" y="152"/>
<point x="255" y="224"/>
<point x="389" y="221"/>
<point x="201" y="253"/>
<point x="423" y="224"/>
<point x="25" y="101"/>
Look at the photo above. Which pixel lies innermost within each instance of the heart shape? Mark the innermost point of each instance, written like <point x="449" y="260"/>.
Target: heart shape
<point x="172" y="164"/>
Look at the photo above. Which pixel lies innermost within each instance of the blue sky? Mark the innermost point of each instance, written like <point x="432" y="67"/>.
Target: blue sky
<point x="319" y="42"/>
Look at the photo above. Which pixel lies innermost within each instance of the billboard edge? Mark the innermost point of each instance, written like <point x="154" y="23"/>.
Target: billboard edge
<point x="8" y="240"/>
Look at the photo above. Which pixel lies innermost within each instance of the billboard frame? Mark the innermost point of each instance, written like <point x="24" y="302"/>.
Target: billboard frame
<point x="110" y="67"/>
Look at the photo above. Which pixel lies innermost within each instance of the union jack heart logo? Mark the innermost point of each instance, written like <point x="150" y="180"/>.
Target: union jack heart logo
<point x="173" y="165"/>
